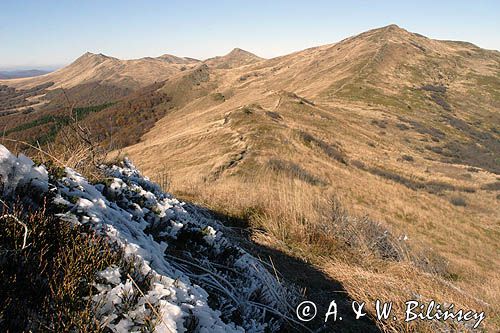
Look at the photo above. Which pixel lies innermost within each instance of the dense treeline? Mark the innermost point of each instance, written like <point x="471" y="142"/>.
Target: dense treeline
<point x="54" y="123"/>
<point x="124" y="123"/>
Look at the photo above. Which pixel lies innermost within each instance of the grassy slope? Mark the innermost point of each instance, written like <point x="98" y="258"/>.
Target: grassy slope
<point x="368" y="104"/>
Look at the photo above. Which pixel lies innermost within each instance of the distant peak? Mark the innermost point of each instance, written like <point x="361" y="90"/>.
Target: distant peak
<point x="92" y="58"/>
<point x="238" y="51"/>
<point x="94" y="55"/>
<point x="393" y="27"/>
<point x="241" y="54"/>
<point x="237" y="57"/>
<point x="391" y="31"/>
<point x="176" y="60"/>
<point x="90" y="54"/>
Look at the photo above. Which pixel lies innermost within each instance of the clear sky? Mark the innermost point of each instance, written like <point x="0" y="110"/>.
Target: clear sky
<point x="53" y="33"/>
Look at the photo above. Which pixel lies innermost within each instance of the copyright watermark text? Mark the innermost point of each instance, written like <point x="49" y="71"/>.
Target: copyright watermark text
<point x="414" y="310"/>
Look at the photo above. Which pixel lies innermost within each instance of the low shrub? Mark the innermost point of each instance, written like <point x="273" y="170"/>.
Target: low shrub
<point x="495" y="186"/>
<point x="363" y="234"/>
<point x="402" y="126"/>
<point x="407" y="158"/>
<point x="358" y="164"/>
<point x="434" y="88"/>
<point x="293" y="170"/>
<point x="44" y="287"/>
<point x="458" y="201"/>
<point x="440" y="100"/>
<point x="379" y="123"/>
<point x="274" y="115"/>
<point x="332" y="151"/>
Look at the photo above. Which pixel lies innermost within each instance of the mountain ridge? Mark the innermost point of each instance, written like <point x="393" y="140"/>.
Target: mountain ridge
<point x="402" y="127"/>
<point x="134" y="73"/>
<point x="375" y="158"/>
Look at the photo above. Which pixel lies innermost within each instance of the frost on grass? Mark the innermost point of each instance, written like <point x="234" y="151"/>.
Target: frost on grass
<point x="185" y="274"/>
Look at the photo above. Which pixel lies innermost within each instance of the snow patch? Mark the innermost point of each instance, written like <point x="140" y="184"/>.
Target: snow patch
<point x="192" y="277"/>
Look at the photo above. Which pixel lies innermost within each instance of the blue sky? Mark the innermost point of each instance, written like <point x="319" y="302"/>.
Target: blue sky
<point x="52" y="33"/>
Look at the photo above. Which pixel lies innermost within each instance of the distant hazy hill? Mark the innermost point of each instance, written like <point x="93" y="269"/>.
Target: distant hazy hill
<point x="16" y="74"/>
<point x="105" y="70"/>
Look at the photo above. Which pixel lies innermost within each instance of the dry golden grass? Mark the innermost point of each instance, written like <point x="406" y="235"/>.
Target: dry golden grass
<point x="218" y="154"/>
<point x="291" y="216"/>
<point x="462" y="241"/>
